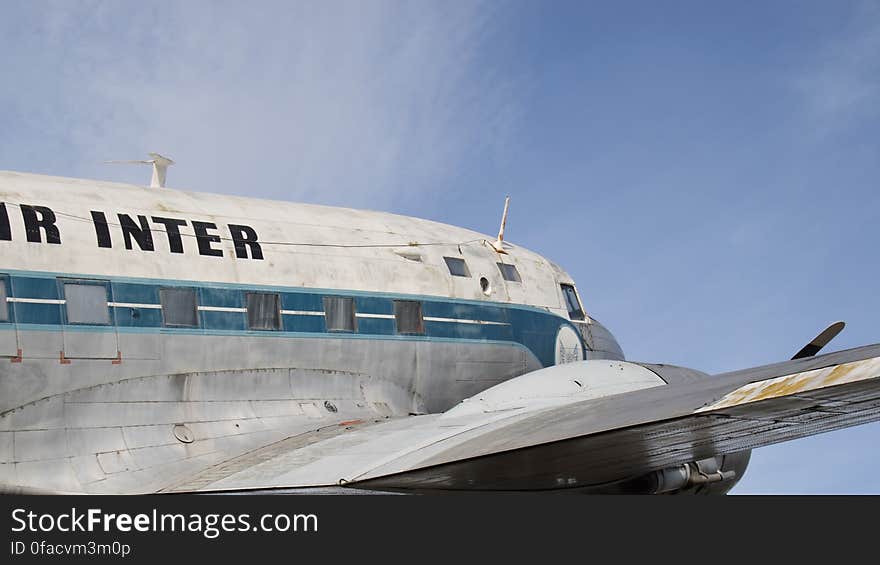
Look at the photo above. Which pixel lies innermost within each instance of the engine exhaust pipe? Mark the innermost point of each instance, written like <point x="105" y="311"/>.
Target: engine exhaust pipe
<point x="696" y="473"/>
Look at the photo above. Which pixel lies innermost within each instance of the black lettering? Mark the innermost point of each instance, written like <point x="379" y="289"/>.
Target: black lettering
<point x="5" y="232"/>
<point x="102" y="231"/>
<point x="141" y="234"/>
<point x="33" y="224"/>
<point x="244" y="238"/>
<point x="205" y="239"/>
<point x="172" y="228"/>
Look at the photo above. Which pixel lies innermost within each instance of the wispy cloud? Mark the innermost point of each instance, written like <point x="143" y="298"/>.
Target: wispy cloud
<point x="843" y="87"/>
<point x="341" y="102"/>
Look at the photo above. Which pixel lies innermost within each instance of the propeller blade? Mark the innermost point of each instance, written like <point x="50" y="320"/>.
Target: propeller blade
<point x="820" y="341"/>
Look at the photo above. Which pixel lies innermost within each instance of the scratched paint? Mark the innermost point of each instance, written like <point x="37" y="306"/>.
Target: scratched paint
<point x="799" y="382"/>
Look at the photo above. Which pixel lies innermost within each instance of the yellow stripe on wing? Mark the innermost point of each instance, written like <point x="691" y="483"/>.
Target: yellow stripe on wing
<point x="865" y="369"/>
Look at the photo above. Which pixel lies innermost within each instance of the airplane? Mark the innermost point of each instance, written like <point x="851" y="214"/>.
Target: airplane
<point x="154" y="340"/>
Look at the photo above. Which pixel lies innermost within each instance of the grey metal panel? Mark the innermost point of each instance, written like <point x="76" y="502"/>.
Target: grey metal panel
<point x="56" y="474"/>
<point x="38" y="444"/>
<point x="99" y="427"/>
<point x="6" y="443"/>
<point x="39" y="344"/>
<point x="8" y="341"/>
<point x="575" y="446"/>
<point x="87" y="469"/>
<point x="109" y="426"/>
<point x="599" y="441"/>
<point x="606" y="457"/>
<point x="675" y="375"/>
<point x="642" y="406"/>
<point x="140" y="345"/>
<point x="90" y="344"/>
<point x="456" y="370"/>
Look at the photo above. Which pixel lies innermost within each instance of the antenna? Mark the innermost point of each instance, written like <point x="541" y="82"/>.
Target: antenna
<point x="160" y="168"/>
<point x="498" y="244"/>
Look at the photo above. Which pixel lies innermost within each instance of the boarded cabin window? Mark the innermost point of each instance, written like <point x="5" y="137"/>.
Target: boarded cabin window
<point x="179" y="307"/>
<point x="575" y="311"/>
<point x="339" y="313"/>
<point x="4" y="306"/>
<point x="86" y="303"/>
<point x="509" y="272"/>
<point x="457" y="267"/>
<point x="408" y="316"/>
<point x="263" y="311"/>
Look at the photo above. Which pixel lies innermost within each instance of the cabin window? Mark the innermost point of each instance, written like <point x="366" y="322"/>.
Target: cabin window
<point x="263" y="311"/>
<point x="4" y="306"/>
<point x="339" y="314"/>
<point x="457" y="267"/>
<point x="408" y="317"/>
<point x="87" y="303"/>
<point x="179" y="307"/>
<point x="575" y="311"/>
<point x="509" y="272"/>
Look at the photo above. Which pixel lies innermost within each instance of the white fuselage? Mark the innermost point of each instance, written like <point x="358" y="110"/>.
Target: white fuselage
<point x="147" y="333"/>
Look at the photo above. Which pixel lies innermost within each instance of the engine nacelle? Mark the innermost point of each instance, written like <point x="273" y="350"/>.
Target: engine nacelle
<point x="714" y="475"/>
<point x="554" y="387"/>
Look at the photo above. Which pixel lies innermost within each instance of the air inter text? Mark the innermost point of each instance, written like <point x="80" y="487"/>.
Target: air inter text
<point x="138" y="232"/>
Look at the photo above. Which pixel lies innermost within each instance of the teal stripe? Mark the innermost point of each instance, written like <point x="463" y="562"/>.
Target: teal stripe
<point x="271" y="288"/>
<point x="528" y="327"/>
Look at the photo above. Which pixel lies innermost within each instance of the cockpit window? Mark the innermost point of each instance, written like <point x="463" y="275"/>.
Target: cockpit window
<point x="509" y="272"/>
<point x="575" y="312"/>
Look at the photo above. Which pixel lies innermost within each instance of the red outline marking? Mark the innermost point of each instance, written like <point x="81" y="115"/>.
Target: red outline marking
<point x="16" y="359"/>
<point x="64" y="360"/>
<point x="118" y="360"/>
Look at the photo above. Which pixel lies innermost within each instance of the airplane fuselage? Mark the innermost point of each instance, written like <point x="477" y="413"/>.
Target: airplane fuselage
<point x="147" y="334"/>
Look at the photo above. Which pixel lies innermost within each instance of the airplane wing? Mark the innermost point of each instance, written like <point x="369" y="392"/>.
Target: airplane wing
<point x="522" y="443"/>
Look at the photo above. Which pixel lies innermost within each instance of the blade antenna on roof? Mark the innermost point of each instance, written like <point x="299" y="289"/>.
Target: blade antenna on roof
<point x="160" y="168"/>
<point x="499" y="243"/>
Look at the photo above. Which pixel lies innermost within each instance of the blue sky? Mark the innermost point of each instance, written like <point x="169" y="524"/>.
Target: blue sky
<point x="708" y="172"/>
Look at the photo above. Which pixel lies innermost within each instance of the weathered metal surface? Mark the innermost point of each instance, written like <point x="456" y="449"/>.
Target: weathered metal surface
<point x="798" y="383"/>
<point x="600" y="341"/>
<point x="142" y="406"/>
<point x="304" y="245"/>
<point x="518" y="443"/>
<point x="628" y="435"/>
<point x="115" y="431"/>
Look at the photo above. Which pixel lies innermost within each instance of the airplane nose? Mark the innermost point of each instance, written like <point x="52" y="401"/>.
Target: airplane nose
<point x="601" y="343"/>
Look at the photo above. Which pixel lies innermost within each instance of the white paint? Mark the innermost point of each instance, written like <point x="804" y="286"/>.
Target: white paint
<point x="558" y="385"/>
<point x="465" y="321"/>
<point x="36" y="300"/>
<point x="134" y="305"/>
<point x="302" y="313"/>
<point x="304" y="246"/>
<point x="568" y="346"/>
